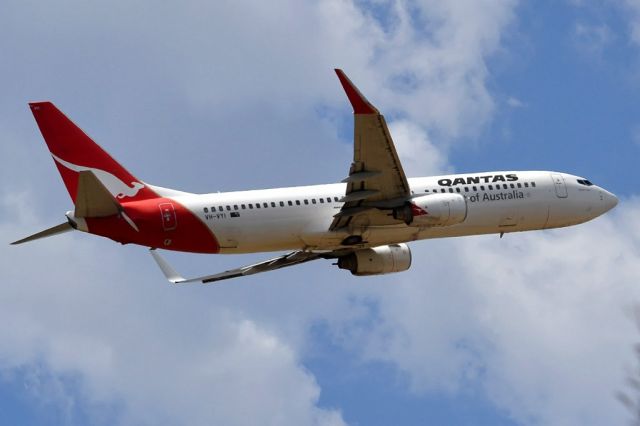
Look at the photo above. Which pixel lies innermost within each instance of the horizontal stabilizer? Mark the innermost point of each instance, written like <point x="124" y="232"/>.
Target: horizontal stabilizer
<point x="58" y="229"/>
<point x="93" y="199"/>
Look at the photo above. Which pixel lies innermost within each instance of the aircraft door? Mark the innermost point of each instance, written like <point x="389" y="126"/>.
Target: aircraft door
<point x="561" y="187"/>
<point x="168" y="216"/>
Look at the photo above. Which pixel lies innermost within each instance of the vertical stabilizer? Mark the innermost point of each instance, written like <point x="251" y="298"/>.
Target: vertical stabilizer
<point x="74" y="152"/>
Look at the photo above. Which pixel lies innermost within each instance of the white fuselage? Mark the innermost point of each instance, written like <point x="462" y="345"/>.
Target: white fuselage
<point x="299" y="217"/>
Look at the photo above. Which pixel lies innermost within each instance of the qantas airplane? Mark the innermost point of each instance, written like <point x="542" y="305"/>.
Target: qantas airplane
<point x="363" y="223"/>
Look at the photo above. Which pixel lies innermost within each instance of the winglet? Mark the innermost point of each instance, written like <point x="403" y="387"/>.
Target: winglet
<point x="167" y="270"/>
<point x="359" y="103"/>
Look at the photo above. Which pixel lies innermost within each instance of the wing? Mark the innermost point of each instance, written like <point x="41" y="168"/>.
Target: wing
<point x="289" y="259"/>
<point x="376" y="178"/>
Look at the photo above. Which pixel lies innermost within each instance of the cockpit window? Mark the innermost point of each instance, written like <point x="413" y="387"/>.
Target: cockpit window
<point x="584" y="182"/>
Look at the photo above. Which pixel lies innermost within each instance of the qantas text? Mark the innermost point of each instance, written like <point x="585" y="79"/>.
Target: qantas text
<point x="470" y="180"/>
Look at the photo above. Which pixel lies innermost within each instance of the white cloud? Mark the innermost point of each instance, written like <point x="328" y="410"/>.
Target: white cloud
<point x="514" y="102"/>
<point x="418" y="155"/>
<point x="149" y="348"/>
<point x="633" y="9"/>
<point x="538" y="321"/>
<point x="535" y="321"/>
<point x="592" y="39"/>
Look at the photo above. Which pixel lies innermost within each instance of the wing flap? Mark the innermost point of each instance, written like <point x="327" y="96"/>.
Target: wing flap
<point x="359" y="195"/>
<point x="360" y="177"/>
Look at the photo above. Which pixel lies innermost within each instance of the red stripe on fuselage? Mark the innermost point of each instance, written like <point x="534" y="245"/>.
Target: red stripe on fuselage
<point x="188" y="233"/>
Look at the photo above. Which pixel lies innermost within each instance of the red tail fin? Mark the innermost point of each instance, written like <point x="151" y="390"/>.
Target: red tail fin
<point x="73" y="152"/>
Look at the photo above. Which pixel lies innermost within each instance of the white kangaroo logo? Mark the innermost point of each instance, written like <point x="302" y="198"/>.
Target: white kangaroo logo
<point x="116" y="187"/>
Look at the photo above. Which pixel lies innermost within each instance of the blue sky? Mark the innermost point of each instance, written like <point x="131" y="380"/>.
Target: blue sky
<point x="532" y="329"/>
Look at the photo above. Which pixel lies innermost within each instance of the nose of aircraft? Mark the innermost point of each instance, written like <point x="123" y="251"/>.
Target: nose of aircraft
<point x="609" y="200"/>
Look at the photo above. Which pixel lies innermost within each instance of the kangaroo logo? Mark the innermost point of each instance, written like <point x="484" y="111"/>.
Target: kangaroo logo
<point x="116" y="187"/>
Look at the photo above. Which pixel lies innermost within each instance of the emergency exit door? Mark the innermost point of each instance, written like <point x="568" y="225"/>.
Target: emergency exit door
<point x="168" y="214"/>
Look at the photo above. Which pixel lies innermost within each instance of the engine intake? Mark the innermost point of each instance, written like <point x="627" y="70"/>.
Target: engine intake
<point x="377" y="260"/>
<point x="433" y="210"/>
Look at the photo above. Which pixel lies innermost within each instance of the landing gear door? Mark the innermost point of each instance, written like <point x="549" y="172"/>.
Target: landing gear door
<point x="561" y="187"/>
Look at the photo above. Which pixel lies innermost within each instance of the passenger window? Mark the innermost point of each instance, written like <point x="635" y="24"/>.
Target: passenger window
<point x="505" y="186"/>
<point x="475" y="188"/>
<point x="206" y="210"/>
<point x="281" y="203"/>
<point x="273" y="204"/>
<point x="328" y="199"/>
<point x="466" y="189"/>
<point x="250" y="206"/>
<point x="321" y="200"/>
<point x="481" y="187"/>
<point x="228" y="208"/>
<point x="490" y="187"/>
<point x="243" y="206"/>
<point x="306" y="201"/>
<point x="235" y="207"/>
<point x="450" y="189"/>
<point x="533" y="184"/>
<point x="457" y="189"/>
<point x="519" y="185"/>
<point x="257" y="205"/>
<point x="336" y="199"/>
<point x="290" y="203"/>
<point x="220" y="208"/>
<point x="526" y="184"/>
<point x="313" y="200"/>
<point x="265" y="205"/>
<point x="297" y="202"/>
<point x="512" y="185"/>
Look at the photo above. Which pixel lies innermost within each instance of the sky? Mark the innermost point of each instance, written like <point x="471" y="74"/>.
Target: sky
<point x="535" y="328"/>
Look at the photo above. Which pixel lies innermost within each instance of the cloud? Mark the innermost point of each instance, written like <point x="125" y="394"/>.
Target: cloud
<point x="633" y="15"/>
<point x="514" y="102"/>
<point x="539" y="322"/>
<point x="418" y="155"/>
<point x="150" y="350"/>
<point x="229" y="95"/>
<point x="592" y="39"/>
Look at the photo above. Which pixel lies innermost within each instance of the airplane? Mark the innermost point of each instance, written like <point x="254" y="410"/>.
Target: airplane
<point x="362" y="223"/>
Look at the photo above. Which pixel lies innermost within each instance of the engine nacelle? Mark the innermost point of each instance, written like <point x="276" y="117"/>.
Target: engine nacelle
<point x="433" y="210"/>
<point x="377" y="260"/>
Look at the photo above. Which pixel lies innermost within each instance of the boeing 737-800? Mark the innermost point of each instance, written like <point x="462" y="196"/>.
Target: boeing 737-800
<point x="364" y="222"/>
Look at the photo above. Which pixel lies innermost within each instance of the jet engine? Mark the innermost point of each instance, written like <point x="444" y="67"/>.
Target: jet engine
<point x="433" y="210"/>
<point x="377" y="260"/>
